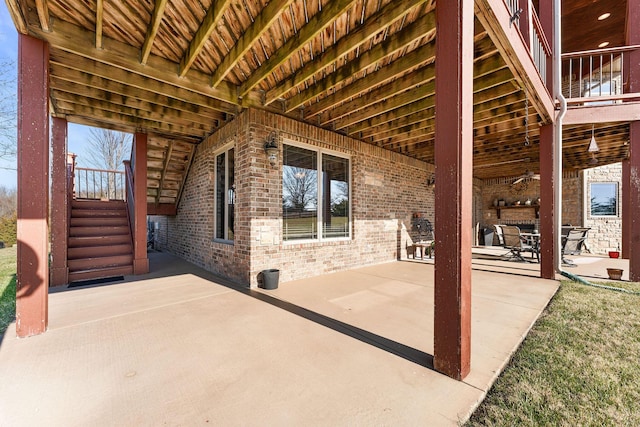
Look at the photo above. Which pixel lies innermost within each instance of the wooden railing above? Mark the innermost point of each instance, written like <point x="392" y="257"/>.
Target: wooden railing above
<point x="91" y="183"/>
<point x="597" y="76"/>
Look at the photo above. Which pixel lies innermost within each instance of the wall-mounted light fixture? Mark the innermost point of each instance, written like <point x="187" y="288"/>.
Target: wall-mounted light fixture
<point x="271" y="148"/>
<point x="593" y="147"/>
<point x="431" y="181"/>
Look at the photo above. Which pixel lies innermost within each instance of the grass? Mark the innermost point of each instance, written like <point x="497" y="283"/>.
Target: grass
<point x="579" y="365"/>
<point x="7" y="287"/>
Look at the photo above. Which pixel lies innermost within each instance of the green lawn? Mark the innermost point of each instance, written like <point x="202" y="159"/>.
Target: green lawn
<point x="7" y="287"/>
<point x="579" y="365"/>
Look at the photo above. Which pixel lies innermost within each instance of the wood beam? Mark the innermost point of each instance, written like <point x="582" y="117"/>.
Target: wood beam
<point x="157" y="109"/>
<point x="15" y="10"/>
<point x="33" y="187"/>
<point x="152" y="30"/>
<point x="168" y="209"/>
<point x="186" y="174"/>
<point x="130" y="122"/>
<point x="625" y="112"/>
<point x="73" y="39"/>
<point x="99" y="14"/>
<point x="67" y="65"/>
<point x="167" y="160"/>
<point x="453" y="194"/>
<point x="383" y="18"/>
<point x="494" y="16"/>
<point x="423" y="27"/>
<point x="43" y="14"/>
<point x="214" y="13"/>
<point x="258" y="27"/>
<point x="315" y="25"/>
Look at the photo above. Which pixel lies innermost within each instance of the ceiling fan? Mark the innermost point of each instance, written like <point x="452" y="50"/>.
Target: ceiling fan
<point x="527" y="175"/>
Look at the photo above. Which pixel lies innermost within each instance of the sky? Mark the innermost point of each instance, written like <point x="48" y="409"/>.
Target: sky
<point x="77" y="134"/>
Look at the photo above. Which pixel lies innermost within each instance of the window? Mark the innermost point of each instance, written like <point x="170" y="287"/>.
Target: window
<point x="604" y="199"/>
<point x="315" y="195"/>
<point x="225" y="195"/>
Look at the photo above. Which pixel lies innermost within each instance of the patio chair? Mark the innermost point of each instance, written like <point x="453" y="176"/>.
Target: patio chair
<point x="573" y="243"/>
<point x="517" y="244"/>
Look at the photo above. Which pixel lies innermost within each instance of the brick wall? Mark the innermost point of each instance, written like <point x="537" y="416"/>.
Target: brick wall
<point x="503" y="189"/>
<point x="386" y="190"/>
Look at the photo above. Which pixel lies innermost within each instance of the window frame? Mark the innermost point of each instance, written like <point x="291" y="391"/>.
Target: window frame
<point x="223" y="150"/>
<point x="319" y="153"/>
<point x="617" y="195"/>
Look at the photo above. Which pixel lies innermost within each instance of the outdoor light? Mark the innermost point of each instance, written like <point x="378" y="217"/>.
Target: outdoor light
<point x="593" y="147"/>
<point x="431" y="181"/>
<point x="271" y="148"/>
<point x="603" y="44"/>
<point x="604" y="16"/>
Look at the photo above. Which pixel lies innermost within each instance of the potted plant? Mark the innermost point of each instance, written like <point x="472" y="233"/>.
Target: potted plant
<point x="615" y="253"/>
<point x="615" y="273"/>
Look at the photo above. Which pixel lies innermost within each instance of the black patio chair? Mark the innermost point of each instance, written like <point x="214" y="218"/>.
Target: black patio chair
<point x="517" y="244"/>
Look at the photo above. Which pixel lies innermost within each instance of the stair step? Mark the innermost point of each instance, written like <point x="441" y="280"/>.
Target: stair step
<point x="98" y="204"/>
<point x="100" y="273"/>
<point x="98" y="231"/>
<point x="99" y="262"/>
<point x="87" y="241"/>
<point x="98" y="222"/>
<point x="98" y="251"/>
<point x="95" y="213"/>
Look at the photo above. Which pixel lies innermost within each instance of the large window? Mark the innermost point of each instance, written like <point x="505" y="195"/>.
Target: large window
<point x="604" y="199"/>
<point x="225" y="195"/>
<point x="315" y="195"/>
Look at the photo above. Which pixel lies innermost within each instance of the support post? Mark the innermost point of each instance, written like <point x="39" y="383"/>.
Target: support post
<point x="633" y="184"/>
<point x="33" y="186"/>
<point x="60" y="204"/>
<point x="140" y="260"/>
<point x="626" y="209"/>
<point x="548" y="210"/>
<point x="454" y="175"/>
<point x="633" y="194"/>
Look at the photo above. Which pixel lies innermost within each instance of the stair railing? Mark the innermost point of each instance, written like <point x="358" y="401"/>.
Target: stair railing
<point x="130" y="200"/>
<point x="99" y="184"/>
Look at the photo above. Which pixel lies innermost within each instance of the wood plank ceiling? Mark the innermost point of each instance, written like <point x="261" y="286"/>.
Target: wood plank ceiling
<point x="180" y="69"/>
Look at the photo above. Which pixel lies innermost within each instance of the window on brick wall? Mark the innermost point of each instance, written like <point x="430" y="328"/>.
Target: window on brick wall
<point x="604" y="198"/>
<point x="225" y="195"/>
<point x="315" y="195"/>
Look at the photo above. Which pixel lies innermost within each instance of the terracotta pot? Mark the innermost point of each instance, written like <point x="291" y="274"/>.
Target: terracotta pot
<point x="614" y="254"/>
<point x="615" y="273"/>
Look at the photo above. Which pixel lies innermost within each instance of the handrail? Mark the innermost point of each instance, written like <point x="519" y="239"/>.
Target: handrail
<point x="603" y="51"/>
<point x="130" y="200"/>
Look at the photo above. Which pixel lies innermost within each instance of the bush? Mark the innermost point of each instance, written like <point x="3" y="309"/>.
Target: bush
<point x="9" y="230"/>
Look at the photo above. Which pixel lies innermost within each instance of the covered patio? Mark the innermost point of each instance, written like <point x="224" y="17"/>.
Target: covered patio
<point x="183" y="346"/>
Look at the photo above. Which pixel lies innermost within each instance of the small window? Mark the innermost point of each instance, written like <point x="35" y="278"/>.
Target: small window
<point x="604" y="199"/>
<point x="225" y="195"/>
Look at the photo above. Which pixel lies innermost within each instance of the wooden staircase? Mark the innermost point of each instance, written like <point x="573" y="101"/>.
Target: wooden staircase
<point x="100" y="242"/>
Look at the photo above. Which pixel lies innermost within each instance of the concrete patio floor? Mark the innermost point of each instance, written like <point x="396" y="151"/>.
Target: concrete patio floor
<point x="182" y="347"/>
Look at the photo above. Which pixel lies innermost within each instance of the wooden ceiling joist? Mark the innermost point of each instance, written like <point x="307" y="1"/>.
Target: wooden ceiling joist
<point x="424" y="27"/>
<point x="99" y="16"/>
<point x="92" y="69"/>
<point x="382" y="19"/>
<point x="259" y="26"/>
<point x="152" y="30"/>
<point x="315" y="25"/>
<point x="43" y="14"/>
<point x="79" y="41"/>
<point x="214" y="13"/>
